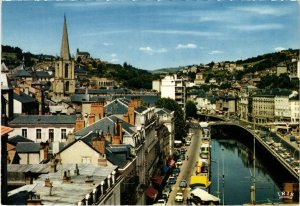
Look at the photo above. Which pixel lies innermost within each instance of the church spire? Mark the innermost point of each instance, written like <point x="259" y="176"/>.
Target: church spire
<point x="65" y="51"/>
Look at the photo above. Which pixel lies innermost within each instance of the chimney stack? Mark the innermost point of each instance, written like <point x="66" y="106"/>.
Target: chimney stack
<point x="79" y="124"/>
<point x="91" y="119"/>
<point x="18" y="90"/>
<point x="98" y="110"/>
<point x="131" y="112"/>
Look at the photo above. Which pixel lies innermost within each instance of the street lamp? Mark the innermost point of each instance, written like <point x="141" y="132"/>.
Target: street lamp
<point x="223" y="176"/>
<point x="218" y="192"/>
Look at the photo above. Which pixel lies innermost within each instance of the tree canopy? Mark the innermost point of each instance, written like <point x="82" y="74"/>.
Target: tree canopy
<point x="190" y="109"/>
<point x="170" y="104"/>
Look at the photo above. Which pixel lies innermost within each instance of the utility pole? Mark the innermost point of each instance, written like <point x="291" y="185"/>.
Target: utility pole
<point x="253" y="187"/>
<point x="223" y="176"/>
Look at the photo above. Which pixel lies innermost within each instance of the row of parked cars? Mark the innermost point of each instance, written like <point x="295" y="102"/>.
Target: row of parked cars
<point x="163" y="199"/>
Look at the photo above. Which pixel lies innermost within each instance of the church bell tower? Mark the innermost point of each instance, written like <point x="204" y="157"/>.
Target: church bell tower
<point x="64" y="80"/>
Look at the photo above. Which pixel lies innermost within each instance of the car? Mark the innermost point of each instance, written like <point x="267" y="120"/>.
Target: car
<point x="249" y="126"/>
<point x="168" y="188"/>
<point x="160" y="202"/>
<point x="179" y="162"/>
<point x="188" y="142"/>
<point x="183" y="184"/>
<point x="175" y="171"/>
<point x="171" y="180"/>
<point x="182" y="157"/>
<point x="165" y="195"/>
<point x="179" y="197"/>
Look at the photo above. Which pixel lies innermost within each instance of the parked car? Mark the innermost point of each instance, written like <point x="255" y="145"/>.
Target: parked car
<point x="168" y="188"/>
<point x="179" y="197"/>
<point x="182" y="157"/>
<point x="175" y="171"/>
<point x="172" y="180"/>
<point x="160" y="202"/>
<point x="179" y="162"/>
<point x="188" y="142"/>
<point x="183" y="184"/>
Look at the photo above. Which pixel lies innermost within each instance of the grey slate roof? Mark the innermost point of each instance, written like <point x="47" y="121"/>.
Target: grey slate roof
<point x="44" y="119"/>
<point x="34" y="168"/>
<point x="118" y="106"/>
<point x="28" y="147"/>
<point x="161" y="111"/>
<point x="24" y="98"/>
<point x="118" y="154"/>
<point x="105" y="124"/>
<point x="18" y="138"/>
<point x="43" y="74"/>
<point x="23" y="73"/>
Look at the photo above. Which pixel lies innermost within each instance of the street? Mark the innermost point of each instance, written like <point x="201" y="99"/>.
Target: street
<point x="187" y="168"/>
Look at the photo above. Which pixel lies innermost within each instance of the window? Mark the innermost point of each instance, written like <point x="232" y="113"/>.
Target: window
<point x="66" y="70"/>
<point x="38" y="133"/>
<point x="51" y="135"/>
<point x="63" y="134"/>
<point x="24" y="133"/>
<point x="86" y="159"/>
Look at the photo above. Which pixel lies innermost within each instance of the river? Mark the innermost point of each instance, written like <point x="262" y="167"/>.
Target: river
<point x="237" y="163"/>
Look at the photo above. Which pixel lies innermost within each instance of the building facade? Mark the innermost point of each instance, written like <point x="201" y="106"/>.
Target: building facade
<point x="64" y="80"/>
<point x="173" y="88"/>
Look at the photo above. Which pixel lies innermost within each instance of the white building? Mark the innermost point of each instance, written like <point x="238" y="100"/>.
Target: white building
<point x="295" y="108"/>
<point x="282" y="108"/>
<point x="205" y="104"/>
<point x="156" y="85"/>
<point x="173" y="88"/>
<point x="42" y="128"/>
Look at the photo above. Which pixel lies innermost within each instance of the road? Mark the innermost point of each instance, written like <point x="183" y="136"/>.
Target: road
<point x="187" y="168"/>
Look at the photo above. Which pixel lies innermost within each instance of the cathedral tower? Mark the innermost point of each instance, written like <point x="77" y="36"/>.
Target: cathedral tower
<point x="64" y="81"/>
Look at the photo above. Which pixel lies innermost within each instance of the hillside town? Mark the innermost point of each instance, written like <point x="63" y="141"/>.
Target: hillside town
<point x="66" y="140"/>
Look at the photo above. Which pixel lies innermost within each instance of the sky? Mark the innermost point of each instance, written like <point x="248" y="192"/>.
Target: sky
<point x="153" y="34"/>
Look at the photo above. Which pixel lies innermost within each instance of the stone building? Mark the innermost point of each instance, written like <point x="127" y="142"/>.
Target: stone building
<point x="64" y="80"/>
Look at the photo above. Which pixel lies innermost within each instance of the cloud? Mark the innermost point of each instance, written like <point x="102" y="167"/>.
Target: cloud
<point x="181" y="32"/>
<point x="258" y="27"/>
<point x="279" y="48"/>
<point x="264" y="10"/>
<point x="107" y="44"/>
<point x="215" y="52"/>
<point x="114" y="58"/>
<point x="149" y="50"/>
<point x="186" y="46"/>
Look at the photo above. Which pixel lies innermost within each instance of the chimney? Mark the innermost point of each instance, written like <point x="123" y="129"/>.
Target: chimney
<point x="98" y="110"/>
<point x="118" y="136"/>
<point x="79" y="124"/>
<point x="131" y="112"/>
<point x="53" y="166"/>
<point x="91" y="119"/>
<point x="46" y="152"/>
<point x="48" y="183"/>
<point x="18" y="90"/>
<point x="70" y="138"/>
<point x="102" y="162"/>
<point x="108" y="135"/>
<point x="34" y="199"/>
<point x="139" y="102"/>
<point x="76" y="171"/>
<point x="98" y="142"/>
<point x="126" y="118"/>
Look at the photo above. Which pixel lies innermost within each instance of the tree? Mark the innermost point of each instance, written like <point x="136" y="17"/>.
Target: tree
<point x="190" y="109"/>
<point x="172" y="105"/>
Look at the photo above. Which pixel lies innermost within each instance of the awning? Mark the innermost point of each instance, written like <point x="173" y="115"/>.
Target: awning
<point x="165" y="168"/>
<point x="171" y="163"/>
<point x="151" y="193"/>
<point x="157" y="179"/>
<point x="204" y="196"/>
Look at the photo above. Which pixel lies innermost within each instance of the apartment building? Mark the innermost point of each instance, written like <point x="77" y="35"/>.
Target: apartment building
<point x="173" y="88"/>
<point x="263" y="108"/>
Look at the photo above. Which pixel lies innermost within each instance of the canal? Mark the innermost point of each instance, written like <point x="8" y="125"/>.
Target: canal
<point x="238" y="174"/>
